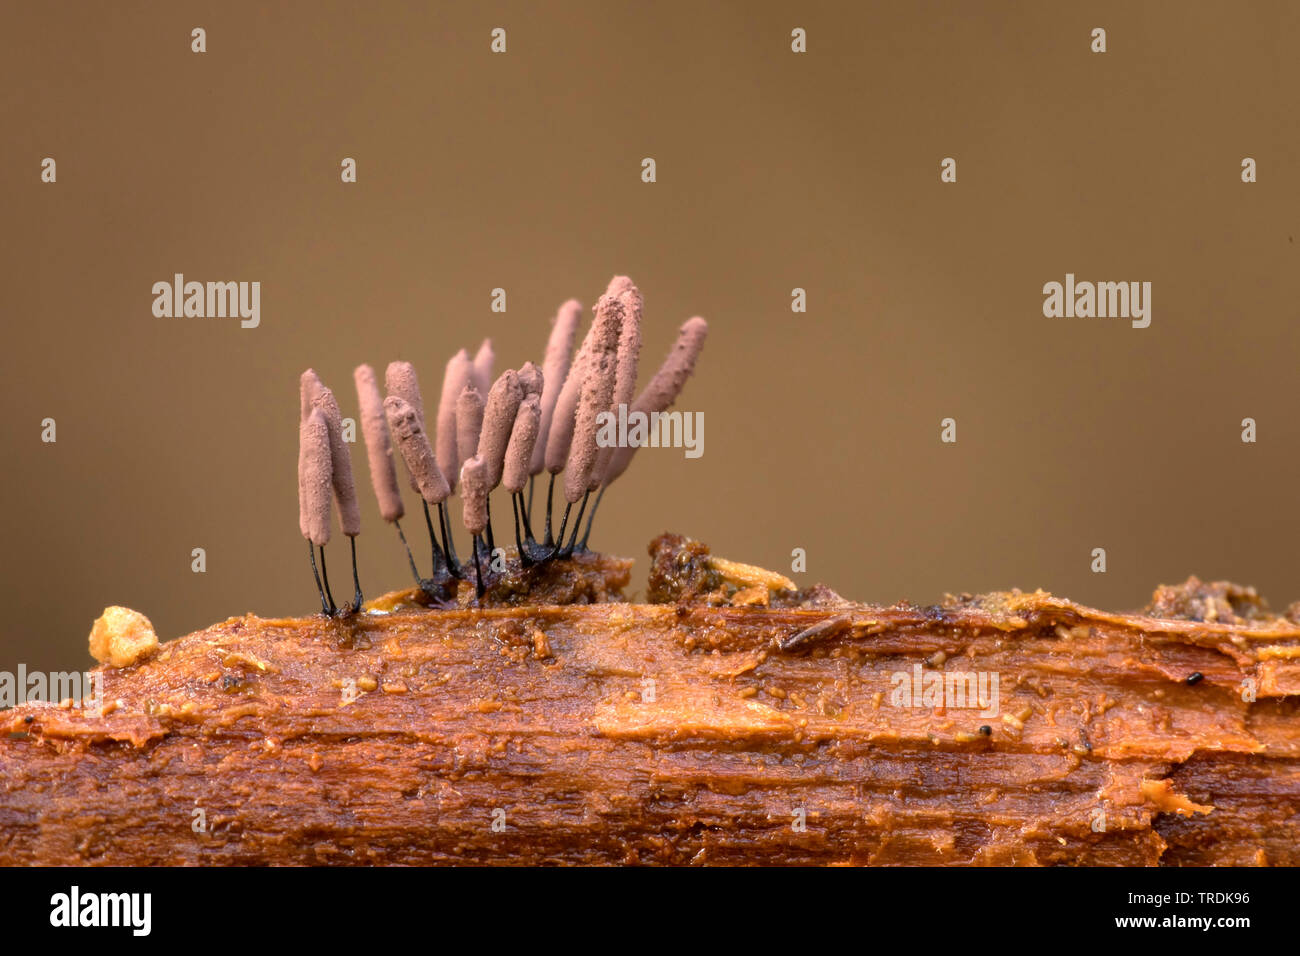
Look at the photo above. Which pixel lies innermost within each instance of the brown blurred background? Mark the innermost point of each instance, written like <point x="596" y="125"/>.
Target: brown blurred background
<point x="775" y="170"/>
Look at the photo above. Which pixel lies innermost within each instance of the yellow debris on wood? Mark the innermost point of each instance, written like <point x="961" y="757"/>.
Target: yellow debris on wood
<point x="1161" y="793"/>
<point x="120" y="637"/>
<point x="749" y="575"/>
<point x="750" y="597"/>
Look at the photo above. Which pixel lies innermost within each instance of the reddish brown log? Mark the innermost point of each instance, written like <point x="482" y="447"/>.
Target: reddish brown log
<point x="709" y="726"/>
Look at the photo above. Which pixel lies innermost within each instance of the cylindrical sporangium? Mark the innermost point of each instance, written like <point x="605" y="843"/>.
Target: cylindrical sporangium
<point x="345" y="489"/>
<point x="473" y="493"/>
<point x="498" y="420"/>
<point x="597" y="391"/>
<point x="400" y="380"/>
<point x="600" y="338"/>
<point x="484" y="359"/>
<point x="413" y="443"/>
<point x="555" y="369"/>
<point x="519" y="453"/>
<point x="459" y="373"/>
<point x="314" y="483"/>
<point x="663" y="389"/>
<point x="629" y="350"/>
<point x="469" y="423"/>
<point x="379" y="449"/>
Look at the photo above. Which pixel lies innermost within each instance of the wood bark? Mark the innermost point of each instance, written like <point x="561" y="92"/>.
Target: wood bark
<point x="721" y="722"/>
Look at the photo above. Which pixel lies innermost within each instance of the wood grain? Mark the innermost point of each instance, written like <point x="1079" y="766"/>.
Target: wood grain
<point x="678" y="731"/>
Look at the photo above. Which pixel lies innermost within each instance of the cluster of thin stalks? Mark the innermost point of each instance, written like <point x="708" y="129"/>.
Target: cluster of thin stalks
<point x="511" y="432"/>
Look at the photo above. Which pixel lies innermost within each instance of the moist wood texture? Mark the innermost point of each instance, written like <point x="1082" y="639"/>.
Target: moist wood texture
<point x="689" y="730"/>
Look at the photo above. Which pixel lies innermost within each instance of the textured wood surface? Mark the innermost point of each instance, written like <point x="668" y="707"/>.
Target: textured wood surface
<point x="698" y="728"/>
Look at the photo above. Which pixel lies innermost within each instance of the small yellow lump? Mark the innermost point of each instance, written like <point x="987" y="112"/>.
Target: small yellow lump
<point x="121" y="636"/>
